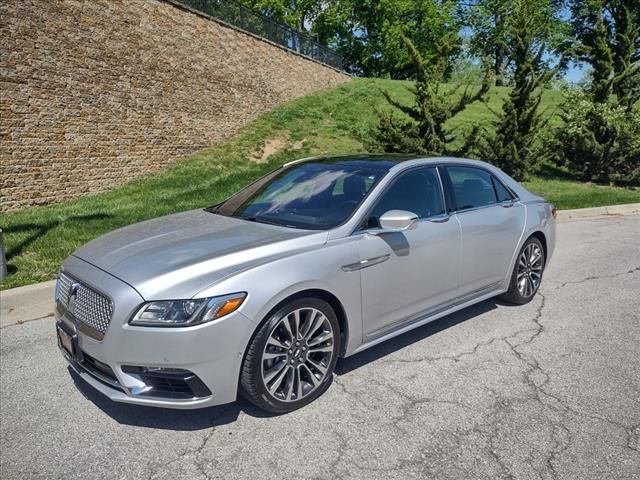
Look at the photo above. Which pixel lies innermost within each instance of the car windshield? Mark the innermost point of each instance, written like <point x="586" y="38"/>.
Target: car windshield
<point x="315" y="196"/>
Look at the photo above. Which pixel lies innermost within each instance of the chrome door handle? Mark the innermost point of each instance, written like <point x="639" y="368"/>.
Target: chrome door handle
<point x="507" y="205"/>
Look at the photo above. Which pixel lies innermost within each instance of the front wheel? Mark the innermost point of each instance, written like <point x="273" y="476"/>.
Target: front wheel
<point x="290" y="360"/>
<point x="527" y="273"/>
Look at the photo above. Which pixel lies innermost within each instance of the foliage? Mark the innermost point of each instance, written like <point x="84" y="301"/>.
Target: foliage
<point x="299" y="14"/>
<point x="600" y="138"/>
<point x="368" y="33"/>
<point x="425" y="130"/>
<point x="526" y="39"/>
<point x="490" y="23"/>
<point x="598" y="142"/>
<point x="607" y="33"/>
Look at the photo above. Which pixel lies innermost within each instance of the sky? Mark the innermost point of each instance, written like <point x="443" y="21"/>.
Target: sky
<point x="574" y="73"/>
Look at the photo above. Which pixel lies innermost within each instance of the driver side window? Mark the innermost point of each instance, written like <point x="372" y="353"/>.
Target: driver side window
<point x="417" y="191"/>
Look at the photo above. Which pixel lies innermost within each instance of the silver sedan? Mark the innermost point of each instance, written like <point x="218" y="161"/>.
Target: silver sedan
<point x="318" y="260"/>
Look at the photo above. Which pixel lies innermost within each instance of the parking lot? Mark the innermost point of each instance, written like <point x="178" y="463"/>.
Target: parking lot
<point x="543" y="391"/>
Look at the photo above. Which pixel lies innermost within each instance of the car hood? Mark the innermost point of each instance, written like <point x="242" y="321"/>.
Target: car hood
<point x="179" y="255"/>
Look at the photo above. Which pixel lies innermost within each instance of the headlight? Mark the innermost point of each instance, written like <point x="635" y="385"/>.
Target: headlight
<point x="184" y="313"/>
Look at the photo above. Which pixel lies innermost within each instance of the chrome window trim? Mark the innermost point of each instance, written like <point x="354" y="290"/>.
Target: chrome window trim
<point x="515" y="198"/>
<point x="483" y="207"/>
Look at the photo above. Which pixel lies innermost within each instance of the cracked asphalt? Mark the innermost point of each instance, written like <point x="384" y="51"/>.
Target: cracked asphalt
<point x="543" y="391"/>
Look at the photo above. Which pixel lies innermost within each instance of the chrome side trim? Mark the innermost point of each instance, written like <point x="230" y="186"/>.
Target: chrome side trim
<point x="425" y="320"/>
<point x="368" y="262"/>
<point x="420" y="316"/>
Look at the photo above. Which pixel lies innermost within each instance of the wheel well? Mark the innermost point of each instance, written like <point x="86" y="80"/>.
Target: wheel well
<point x="331" y="300"/>
<point x="543" y="240"/>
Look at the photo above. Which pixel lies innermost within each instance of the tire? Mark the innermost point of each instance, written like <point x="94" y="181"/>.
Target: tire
<point x="280" y="376"/>
<point x="527" y="275"/>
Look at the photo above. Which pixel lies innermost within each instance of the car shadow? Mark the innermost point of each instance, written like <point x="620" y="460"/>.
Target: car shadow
<point x="191" y="420"/>
<point x="383" y="349"/>
<point x="164" y="418"/>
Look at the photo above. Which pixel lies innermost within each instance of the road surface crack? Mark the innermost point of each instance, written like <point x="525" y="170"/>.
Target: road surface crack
<point x="597" y="277"/>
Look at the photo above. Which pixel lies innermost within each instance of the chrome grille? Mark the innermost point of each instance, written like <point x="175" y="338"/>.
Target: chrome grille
<point x="90" y="307"/>
<point x="62" y="289"/>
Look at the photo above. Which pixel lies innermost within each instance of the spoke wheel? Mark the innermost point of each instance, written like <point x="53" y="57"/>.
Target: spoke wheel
<point x="297" y="355"/>
<point x="290" y="359"/>
<point x="529" y="270"/>
<point x="527" y="273"/>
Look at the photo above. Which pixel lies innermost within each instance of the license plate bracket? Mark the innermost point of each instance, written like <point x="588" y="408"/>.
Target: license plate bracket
<point x="67" y="342"/>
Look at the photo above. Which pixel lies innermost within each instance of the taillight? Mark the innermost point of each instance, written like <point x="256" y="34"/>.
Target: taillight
<point x="554" y="212"/>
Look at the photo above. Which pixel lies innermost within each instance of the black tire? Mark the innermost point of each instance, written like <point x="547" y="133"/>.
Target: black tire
<point x="514" y="295"/>
<point x="252" y="383"/>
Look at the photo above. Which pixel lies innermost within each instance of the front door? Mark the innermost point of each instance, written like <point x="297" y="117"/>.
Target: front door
<point x="407" y="274"/>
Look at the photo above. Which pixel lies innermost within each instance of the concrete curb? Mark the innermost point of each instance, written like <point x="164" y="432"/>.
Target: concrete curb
<point x="33" y="302"/>
<point x="626" y="209"/>
<point x="22" y="304"/>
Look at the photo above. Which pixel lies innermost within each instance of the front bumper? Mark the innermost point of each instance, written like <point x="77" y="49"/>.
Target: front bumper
<point x="211" y="352"/>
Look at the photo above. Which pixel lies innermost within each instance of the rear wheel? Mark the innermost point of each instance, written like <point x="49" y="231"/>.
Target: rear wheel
<point x="527" y="273"/>
<point x="290" y="360"/>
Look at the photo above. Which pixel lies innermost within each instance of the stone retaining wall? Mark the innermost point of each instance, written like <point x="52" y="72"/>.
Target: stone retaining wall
<point x="99" y="92"/>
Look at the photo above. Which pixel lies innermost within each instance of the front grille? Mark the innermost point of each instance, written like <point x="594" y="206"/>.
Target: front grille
<point x="89" y="307"/>
<point x="63" y="285"/>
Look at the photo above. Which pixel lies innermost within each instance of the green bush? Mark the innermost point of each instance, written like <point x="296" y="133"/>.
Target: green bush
<point x="598" y="142"/>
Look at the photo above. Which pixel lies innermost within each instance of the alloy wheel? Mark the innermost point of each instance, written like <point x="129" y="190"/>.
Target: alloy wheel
<point x="297" y="355"/>
<point x="529" y="273"/>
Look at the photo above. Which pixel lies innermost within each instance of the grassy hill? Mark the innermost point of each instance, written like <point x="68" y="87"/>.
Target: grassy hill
<point x="329" y="122"/>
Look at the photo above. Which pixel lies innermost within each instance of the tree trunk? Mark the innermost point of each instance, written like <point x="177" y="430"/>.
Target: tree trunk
<point x="498" y="66"/>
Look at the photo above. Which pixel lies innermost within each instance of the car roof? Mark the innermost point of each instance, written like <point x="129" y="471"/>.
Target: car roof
<point x="385" y="161"/>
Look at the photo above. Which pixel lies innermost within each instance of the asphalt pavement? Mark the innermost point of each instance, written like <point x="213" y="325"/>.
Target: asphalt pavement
<point x="542" y="391"/>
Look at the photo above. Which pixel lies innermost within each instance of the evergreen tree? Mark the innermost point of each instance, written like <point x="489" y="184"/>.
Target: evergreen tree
<point x="424" y="131"/>
<point x="527" y="39"/>
<point x="608" y="39"/>
<point x="600" y="136"/>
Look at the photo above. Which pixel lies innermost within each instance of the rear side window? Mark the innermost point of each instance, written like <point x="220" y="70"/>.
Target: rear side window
<point x="472" y="187"/>
<point x="501" y="191"/>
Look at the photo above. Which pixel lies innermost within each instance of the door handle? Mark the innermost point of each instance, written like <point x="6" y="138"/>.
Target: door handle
<point x="439" y="219"/>
<point x="506" y="205"/>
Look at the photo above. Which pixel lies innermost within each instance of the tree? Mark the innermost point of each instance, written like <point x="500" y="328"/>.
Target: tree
<point x="487" y="19"/>
<point x="598" y="142"/>
<point x="490" y="23"/>
<point x="298" y="14"/>
<point x="608" y="39"/>
<point x="600" y="136"/>
<point x="368" y="33"/>
<point x="526" y="41"/>
<point x="424" y="130"/>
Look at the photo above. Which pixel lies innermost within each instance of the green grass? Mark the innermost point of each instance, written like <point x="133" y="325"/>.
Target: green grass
<point x="328" y="122"/>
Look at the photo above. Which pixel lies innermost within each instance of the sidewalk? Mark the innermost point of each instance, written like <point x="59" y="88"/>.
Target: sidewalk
<point x="627" y="209"/>
<point x="32" y="302"/>
<point x="22" y="304"/>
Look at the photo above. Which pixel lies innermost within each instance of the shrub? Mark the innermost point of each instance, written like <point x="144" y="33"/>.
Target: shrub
<point x="598" y="142"/>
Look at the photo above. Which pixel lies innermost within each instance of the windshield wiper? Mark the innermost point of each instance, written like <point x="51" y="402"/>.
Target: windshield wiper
<point x="268" y="222"/>
<point x="213" y="209"/>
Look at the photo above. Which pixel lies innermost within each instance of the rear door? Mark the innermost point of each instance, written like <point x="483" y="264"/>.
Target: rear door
<point x="492" y="221"/>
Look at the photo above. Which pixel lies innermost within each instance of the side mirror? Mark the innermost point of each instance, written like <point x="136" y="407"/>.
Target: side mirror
<point x="396" y="221"/>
